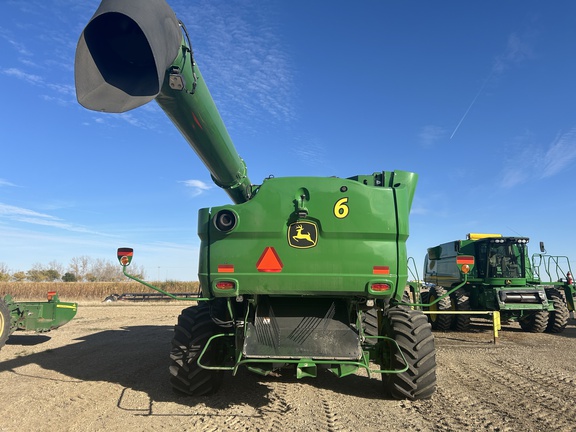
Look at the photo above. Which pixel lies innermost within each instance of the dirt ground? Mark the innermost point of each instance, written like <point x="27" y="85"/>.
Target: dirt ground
<point x="108" y="370"/>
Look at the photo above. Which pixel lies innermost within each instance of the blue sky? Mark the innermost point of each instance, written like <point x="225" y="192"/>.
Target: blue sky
<point x="478" y="98"/>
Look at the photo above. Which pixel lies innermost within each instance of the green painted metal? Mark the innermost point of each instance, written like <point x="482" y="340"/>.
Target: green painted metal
<point x="556" y="271"/>
<point x="347" y="257"/>
<point x="288" y="269"/>
<point x="33" y="316"/>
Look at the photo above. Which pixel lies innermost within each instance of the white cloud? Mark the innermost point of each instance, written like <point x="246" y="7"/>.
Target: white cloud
<point x="247" y="68"/>
<point x="24" y="215"/>
<point x="197" y="187"/>
<point x="25" y="76"/>
<point x="431" y="134"/>
<point x="528" y="158"/>
<point x="517" y="50"/>
<point x="6" y="183"/>
<point x="560" y="154"/>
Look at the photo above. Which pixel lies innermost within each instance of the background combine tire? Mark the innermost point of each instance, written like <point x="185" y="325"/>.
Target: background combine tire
<point x="4" y="323"/>
<point x="558" y="318"/>
<point x="535" y="322"/>
<point x="194" y="328"/>
<point x="413" y="333"/>
<point x="438" y="321"/>
<point x="461" y="301"/>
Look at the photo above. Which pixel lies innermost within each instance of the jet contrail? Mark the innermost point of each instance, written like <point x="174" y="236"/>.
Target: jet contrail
<point x="472" y="103"/>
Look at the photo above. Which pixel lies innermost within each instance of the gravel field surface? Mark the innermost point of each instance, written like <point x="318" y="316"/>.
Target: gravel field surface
<point x="108" y="370"/>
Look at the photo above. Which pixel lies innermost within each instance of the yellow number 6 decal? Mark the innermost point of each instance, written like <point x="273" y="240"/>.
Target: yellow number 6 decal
<point x="341" y="208"/>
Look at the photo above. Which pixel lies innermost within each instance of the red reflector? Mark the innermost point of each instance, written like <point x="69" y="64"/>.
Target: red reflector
<point x="225" y="268"/>
<point x="465" y="259"/>
<point x="269" y="261"/>
<point x="225" y="285"/>
<point x="381" y="270"/>
<point x="380" y="287"/>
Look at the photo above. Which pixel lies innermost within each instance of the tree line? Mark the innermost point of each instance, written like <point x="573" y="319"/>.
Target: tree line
<point x="80" y="269"/>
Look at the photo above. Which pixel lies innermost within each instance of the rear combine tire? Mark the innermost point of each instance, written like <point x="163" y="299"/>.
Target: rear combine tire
<point x="194" y="328"/>
<point x="370" y="319"/>
<point x="536" y="322"/>
<point x="370" y="324"/>
<point x="438" y="321"/>
<point x="413" y="334"/>
<point x="4" y="323"/>
<point x="558" y="318"/>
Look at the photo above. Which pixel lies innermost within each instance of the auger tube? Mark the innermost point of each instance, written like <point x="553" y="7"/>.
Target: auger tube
<point x="133" y="52"/>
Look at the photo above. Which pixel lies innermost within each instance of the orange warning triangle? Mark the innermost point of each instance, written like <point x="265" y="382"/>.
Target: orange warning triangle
<point x="269" y="261"/>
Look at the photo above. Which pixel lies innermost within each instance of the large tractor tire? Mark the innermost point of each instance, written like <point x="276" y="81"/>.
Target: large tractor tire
<point x="4" y="323"/>
<point x="413" y="334"/>
<point x="195" y="326"/>
<point x="535" y="322"/>
<point x="558" y="318"/>
<point x="438" y="321"/>
<point x="370" y="319"/>
<point x="461" y="301"/>
<point x="370" y="325"/>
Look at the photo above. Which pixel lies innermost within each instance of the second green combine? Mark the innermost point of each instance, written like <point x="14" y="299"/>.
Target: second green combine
<point x="504" y="278"/>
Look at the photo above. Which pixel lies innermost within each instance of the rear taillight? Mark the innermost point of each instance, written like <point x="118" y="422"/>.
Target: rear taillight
<point x="380" y="287"/>
<point x="225" y="285"/>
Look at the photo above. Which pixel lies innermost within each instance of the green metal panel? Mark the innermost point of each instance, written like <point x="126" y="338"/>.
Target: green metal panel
<point x="352" y="250"/>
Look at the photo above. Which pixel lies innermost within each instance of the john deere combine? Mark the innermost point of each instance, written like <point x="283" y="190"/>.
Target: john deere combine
<point x="33" y="316"/>
<point x="288" y="271"/>
<point x="504" y="279"/>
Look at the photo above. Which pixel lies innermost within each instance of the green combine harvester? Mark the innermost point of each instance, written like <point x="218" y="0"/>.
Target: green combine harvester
<point x="504" y="278"/>
<point x="33" y="316"/>
<point x="289" y="270"/>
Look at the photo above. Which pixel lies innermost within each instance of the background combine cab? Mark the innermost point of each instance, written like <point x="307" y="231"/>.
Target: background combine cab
<point x="503" y="279"/>
<point x="288" y="271"/>
<point x="33" y="316"/>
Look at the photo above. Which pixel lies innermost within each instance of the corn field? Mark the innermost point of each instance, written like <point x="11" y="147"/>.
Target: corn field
<point x="75" y="291"/>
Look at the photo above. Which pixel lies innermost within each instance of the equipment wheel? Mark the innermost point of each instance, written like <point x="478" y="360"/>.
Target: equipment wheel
<point x="195" y="326"/>
<point x="370" y="319"/>
<point x="4" y="323"/>
<point x="558" y="318"/>
<point x="370" y="324"/>
<point x="536" y="322"/>
<point x="461" y="301"/>
<point x="438" y="321"/>
<point x="413" y="334"/>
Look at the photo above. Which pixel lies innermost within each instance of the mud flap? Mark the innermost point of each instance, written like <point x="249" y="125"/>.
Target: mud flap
<point x="297" y="328"/>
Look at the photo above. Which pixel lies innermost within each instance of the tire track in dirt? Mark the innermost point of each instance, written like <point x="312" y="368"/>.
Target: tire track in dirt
<point x="273" y="413"/>
<point x="331" y="416"/>
<point x="290" y="402"/>
<point x="548" y="399"/>
<point x="459" y="407"/>
<point x="498" y="389"/>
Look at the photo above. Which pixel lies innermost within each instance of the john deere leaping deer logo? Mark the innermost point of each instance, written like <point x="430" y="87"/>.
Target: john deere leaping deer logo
<point x="302" y="235"/>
